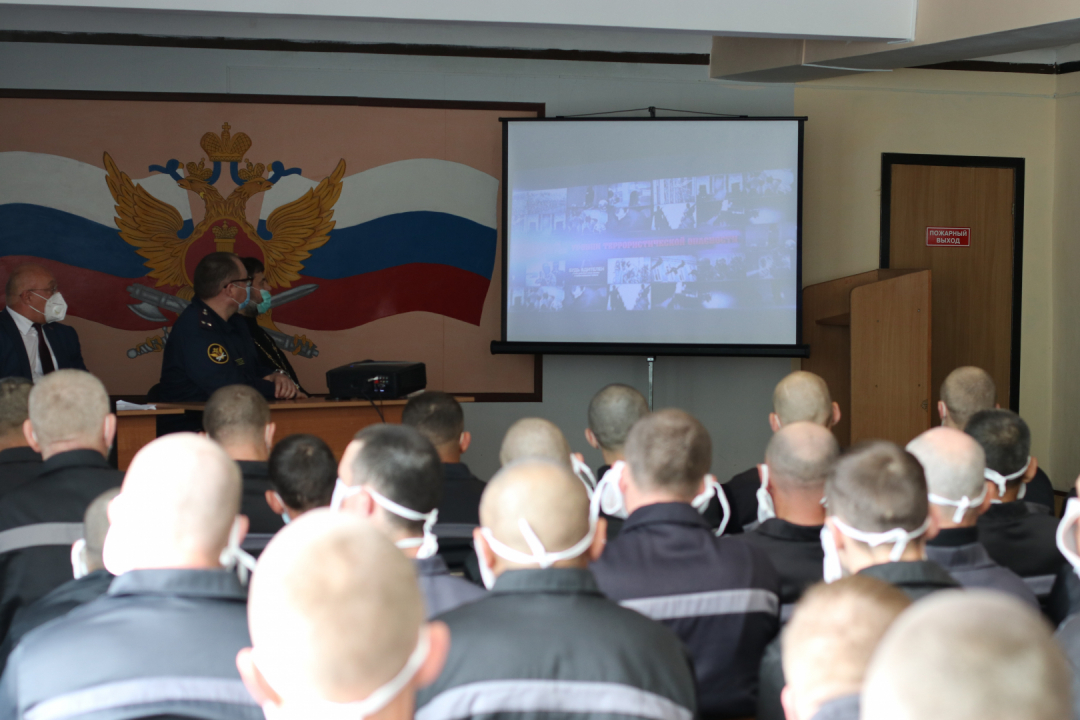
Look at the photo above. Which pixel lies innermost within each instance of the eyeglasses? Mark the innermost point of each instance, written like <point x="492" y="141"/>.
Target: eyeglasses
<point x="52" y="290"/>
<point x="246" y="281"/>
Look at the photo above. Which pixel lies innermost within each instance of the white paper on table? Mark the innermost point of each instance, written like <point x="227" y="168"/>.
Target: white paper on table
<point x="125" y="405"/>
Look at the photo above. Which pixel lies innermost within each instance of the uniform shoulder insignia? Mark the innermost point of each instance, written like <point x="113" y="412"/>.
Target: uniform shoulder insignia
<point x="205" y="320"/>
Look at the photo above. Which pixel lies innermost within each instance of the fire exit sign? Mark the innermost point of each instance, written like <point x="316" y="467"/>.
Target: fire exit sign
<point x="948" y="237"/>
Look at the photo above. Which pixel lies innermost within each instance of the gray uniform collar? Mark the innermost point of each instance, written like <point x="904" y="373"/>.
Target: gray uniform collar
<point x="219" y="584"/>
<point x="566" y="581"/>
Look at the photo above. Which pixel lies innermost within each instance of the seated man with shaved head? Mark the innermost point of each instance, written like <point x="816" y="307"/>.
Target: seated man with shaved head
<point x="1017" y="534"/>
<point x="439" y="418"/>
<point x="612" y="412"/>
<point x="973" y="655"/>
<point x="954" y="465"/>
<point x="302" y="473"/>
<point x="33" y="340"/>
<point x="968" y="390"/>
<point x="797" y="460"/>
<point x="719" y="594"/>
<point x="828" y="644"/>
<point x="800" y="397"/>
<point x="71" y="426"/>
<point x="390" y="474"/>
<point x="163" y="641"/>
<point x="537" y="438"/>
<point x="546" y="642"/>
<point x="18" y="461"/>
<point x="337" y="625"/>
<point x="237" y="417"/>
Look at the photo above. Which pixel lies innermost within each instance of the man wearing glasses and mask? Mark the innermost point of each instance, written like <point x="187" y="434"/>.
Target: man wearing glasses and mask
<point x="33" y="342"/>
<point x="210" y="345"/>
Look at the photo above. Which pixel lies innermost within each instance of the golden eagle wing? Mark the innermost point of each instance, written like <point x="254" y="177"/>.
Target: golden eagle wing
<point x="299" y="227"/>
<point x="150" y="225"/>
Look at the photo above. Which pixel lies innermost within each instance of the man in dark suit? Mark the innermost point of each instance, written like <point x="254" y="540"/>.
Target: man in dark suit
<point x="32" y="340"/>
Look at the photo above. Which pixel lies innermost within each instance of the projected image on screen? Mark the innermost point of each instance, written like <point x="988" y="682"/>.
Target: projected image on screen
<point x="653" y="232"/>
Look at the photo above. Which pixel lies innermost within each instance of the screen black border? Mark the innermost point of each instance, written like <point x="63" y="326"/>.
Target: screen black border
<point x="798" y="349"/>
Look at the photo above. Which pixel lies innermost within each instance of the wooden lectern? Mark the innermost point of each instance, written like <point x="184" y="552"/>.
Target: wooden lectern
<point x="869" y="338"/>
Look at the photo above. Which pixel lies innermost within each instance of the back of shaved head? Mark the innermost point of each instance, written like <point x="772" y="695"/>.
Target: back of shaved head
<point x="876" y="486"/>
<point x="68" y="405"/>
<point x="669" y="450"/>
<point x="180" y="495"/>
<point x="952" y="462"/>
<point x="532" y="438"/>
<point x="828" y="643"/>
<point x="546" y="495"/>
<point x="14" y="404"/>
<point x="801" y="455"/>
<point x="802" y="397"/>
<point x="236" y="413"/>
<point x="966" y="391"/>
<point x="613" y="411"/>
<point x="334" y="609"/>
<point x="968" y="655"/>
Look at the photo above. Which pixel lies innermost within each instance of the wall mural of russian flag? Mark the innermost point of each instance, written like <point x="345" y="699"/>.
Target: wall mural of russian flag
<point x="379" y="241"/>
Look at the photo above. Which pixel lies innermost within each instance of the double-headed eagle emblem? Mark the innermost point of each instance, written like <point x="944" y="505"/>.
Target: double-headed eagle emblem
<point x="155" y="227"/>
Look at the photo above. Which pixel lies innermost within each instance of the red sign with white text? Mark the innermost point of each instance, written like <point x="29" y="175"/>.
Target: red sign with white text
<point x="948" y="237"/>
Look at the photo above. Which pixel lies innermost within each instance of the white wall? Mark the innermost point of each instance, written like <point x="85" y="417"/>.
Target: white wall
<point x="731" y="396"/>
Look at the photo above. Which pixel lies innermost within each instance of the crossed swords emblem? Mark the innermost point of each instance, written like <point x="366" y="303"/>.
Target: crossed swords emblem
<point x="152" y="301"/>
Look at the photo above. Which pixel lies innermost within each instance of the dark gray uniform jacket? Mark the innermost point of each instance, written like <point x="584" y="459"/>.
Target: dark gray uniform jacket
<point x="160" y="642"/>
<point x="959" y="552"/>
<point x="256" y="476"/>
<point x="917" y="579"/>
<point x="1022" y="536"/>
<point x="56" y="604"/>
<point x="17" y="465"/>
<point x="40" y="520"/>
<point x="845" y="707"/>
<point x="442" y="591"/>
<point x="795" y="551"/>
<point x="546" y="644"/>
<point x="719" y="594"/>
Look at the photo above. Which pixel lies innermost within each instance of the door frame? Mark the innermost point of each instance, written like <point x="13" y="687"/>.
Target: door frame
<point x="888" y="160"/>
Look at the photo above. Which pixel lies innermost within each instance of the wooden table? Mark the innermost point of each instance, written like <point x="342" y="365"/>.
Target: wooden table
<point x="335" y="421"/>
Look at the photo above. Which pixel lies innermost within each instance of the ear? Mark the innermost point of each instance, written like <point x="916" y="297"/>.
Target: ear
<point x="934" y="528"/>
<point x="774" y="422"/>
<point x="344" y="469"/>
<point x="268" y="434"/>
<point x="245" y="525"/>
<point x="942" y="411"/>
<point x="591" y="439"/>
<point x="438" y="649"/>
<point x="599" y="541"/>
<point x="108" y="429"/>
<point x="839" y="538"/>
<point x="274" y="501"/>
<point x="483" y="548"/>
<point x="31" y="438"/>
<point x="255" y="683"/>
<point x="787" y="701"/>
<point x="836" y="415"/>
<point x="936" y="511"/>
<point x="992" y="491"/>
<point x="464" y="441"/>
<point x="985" y="504"/>
<point x="1032" y="469"/>
<point x="360" y="503"/>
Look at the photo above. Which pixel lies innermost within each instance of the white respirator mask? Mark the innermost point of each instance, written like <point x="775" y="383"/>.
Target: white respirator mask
<point x="79" y="567"/>
<point x="233" y="557"/>
<point x="610" y="497"/>
<point x="303" y="703"/>
<point x="766" y="510"/>
<point x="428" y="544"/>
<point x="584" y="473"/>
<point x="1066" y="534"/>
<point x="1002" y="480"/>
<point x="962" y="505"/>
<point x="55" y="307"/>
<point x="833" y="571"/>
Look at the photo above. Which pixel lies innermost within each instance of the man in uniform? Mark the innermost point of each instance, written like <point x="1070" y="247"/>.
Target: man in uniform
<point x="18" y="461"/>
<point x="337" y="625"/>
<point x="70" y="424"/>
<point x="545" y="642"/>
<point x="954" y="465"/>
<point x="163" y="640"/>
<point x="238" y="418"/>
<point x="719" y="594"/>
<point x="210" y="345"/>
<point x="34" y="341"/>
<point x="612" y="412"/>
<point x="390" y="474"/>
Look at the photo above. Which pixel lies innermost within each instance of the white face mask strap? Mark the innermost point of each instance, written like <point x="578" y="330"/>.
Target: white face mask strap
<point x="766" y="508"/>
<point x="1066" y="534"/>
<point x="701" y="501"/>
<point x="897" y="536"/>
<point x="607" y="496"/>
<point x="1001" y="480"/>
<point x="429" y="544"/>
<point x="233" y="557"/>
<point x="962" y="505"/>
<point x="78" y="559"/>
<point x="540" y="556"/>
<point x="342" y="492"/>
<point x="584" y="474"/>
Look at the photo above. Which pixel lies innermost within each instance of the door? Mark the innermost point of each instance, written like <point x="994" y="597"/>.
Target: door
<point x="974" y="206"/>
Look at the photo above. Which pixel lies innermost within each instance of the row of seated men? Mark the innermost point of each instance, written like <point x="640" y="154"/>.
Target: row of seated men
<point x="667" y="618"/>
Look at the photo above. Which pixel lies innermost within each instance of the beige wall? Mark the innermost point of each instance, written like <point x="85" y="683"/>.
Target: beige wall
<point x="856" y="118"/>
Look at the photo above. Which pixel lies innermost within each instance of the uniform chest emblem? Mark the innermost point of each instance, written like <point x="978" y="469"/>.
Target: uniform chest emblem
<point x="218" y="353"/>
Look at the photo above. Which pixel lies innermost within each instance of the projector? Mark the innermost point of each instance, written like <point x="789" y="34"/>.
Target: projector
<point x="376" y="379"/>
